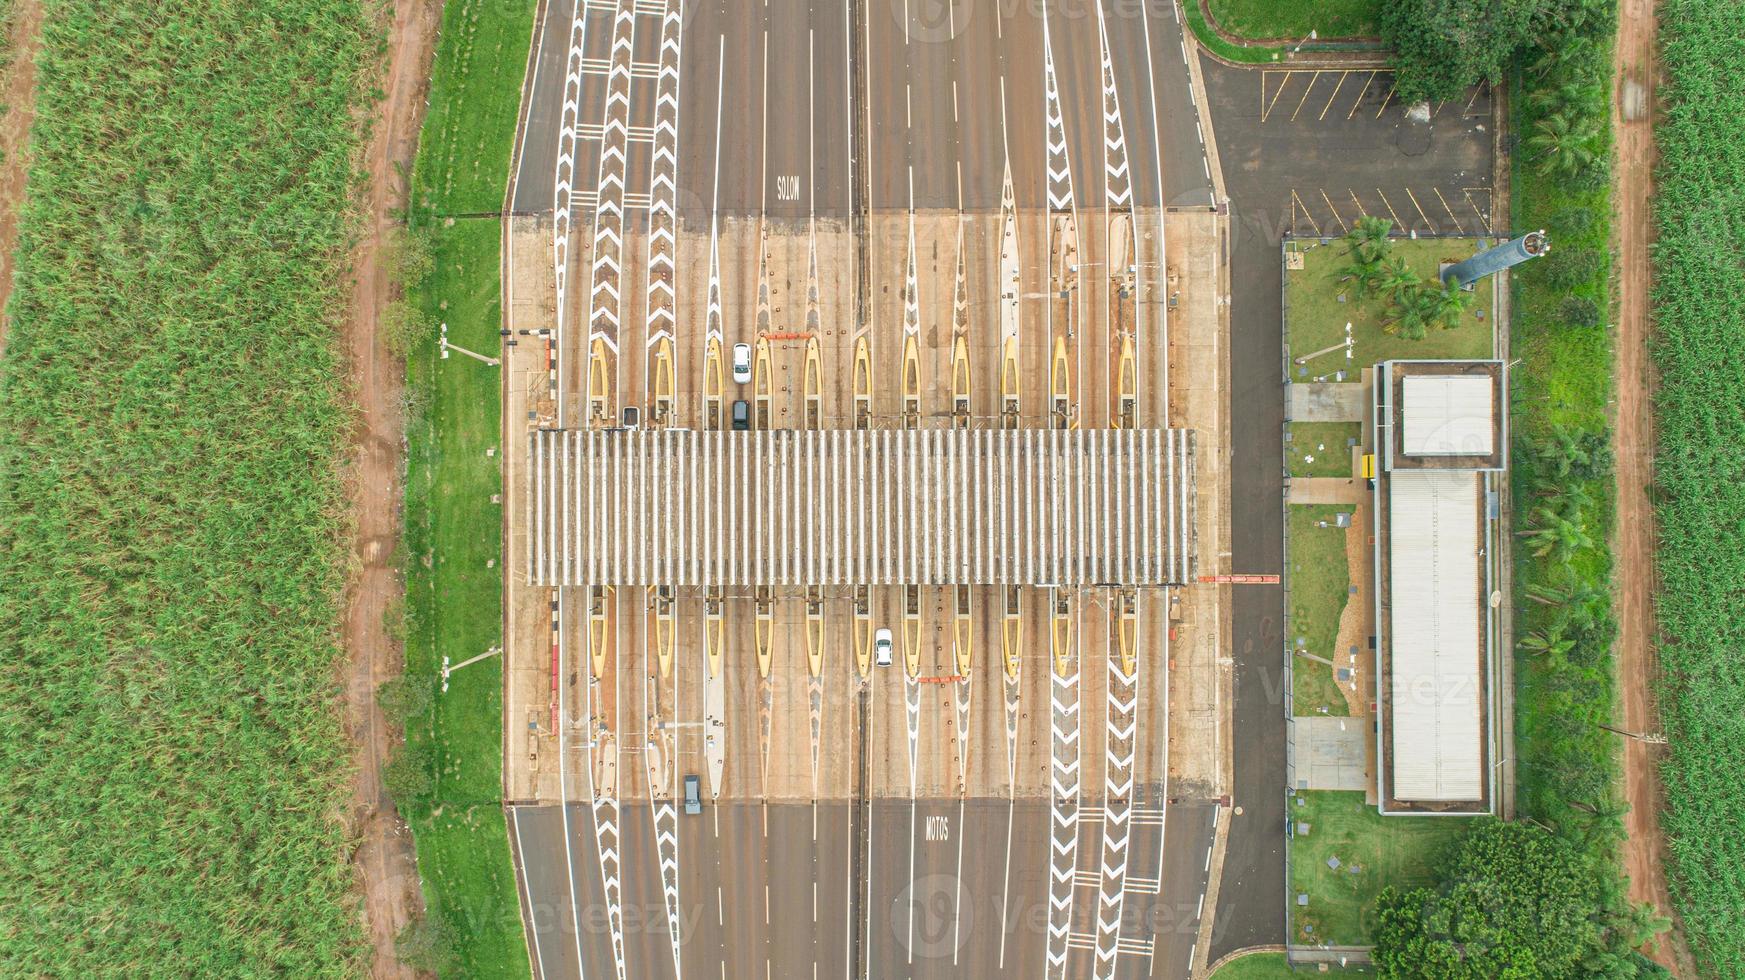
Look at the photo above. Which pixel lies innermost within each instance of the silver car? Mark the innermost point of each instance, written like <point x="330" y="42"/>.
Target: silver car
<point x="882" y="648"/>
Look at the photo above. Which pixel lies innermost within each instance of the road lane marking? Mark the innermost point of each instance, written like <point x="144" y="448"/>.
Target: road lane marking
<point x="1343" y="227"/>
<point x="1335" y="95"/>
<point x="1297" y="202"/>
<point x="1384" y="102"/>
<point x="1306" y="90"/>
<point x="1457" y="225"/>
<point x="1358" y="102"/>
<point x="1385" y="203"/>
<point x="1267" y="107"/>
<point x="1427" y="222"/>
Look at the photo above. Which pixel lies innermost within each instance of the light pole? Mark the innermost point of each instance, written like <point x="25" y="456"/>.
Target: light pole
<point x="447" y="670"/>
<point x="446" y="346"/>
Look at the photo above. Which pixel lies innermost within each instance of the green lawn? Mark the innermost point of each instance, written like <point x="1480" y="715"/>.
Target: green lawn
<point x="1317" y="317"/>
<point x="1272" y="966"/>
<point x="454" y="544"/>
<point x="1321" y="448"/>
<point x="1384" y="851"/>
<point x="475" y="95"/>
<point x="454" y="605"/>
<point x="1319" y="587"/>
<point x="470" y="885"/>
<point x="1272" y="19"/>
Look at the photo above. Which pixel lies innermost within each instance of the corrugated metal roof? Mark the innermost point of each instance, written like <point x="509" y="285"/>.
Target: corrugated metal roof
<point x="1445" y="415"/>
<point x="1437" y="635"/>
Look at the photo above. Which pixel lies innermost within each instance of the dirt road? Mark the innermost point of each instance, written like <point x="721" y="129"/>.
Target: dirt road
<point x="1638" y="666"/>
<point x="18" y="83"/>
<point x="384" y="858"/>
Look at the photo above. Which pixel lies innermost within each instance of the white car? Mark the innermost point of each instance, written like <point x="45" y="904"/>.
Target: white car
<point x="741" y="363"/>
<point x="882" y="648"/>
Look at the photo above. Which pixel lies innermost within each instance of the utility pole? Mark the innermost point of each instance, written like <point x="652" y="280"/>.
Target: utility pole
<point x="446" y="346"/>
<point x="1646" y="738"/>
<point x="447" y="670"/>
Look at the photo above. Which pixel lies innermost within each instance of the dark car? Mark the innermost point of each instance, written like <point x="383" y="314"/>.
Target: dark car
<point x="741" y="415"/>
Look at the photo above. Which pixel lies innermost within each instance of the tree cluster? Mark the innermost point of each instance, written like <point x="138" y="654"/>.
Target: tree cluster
<point x="1414" y="306"/>
<point x="1513" y="901"/>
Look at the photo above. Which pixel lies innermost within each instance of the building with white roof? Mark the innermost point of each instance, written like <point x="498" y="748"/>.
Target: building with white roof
<point x="1441" y="431"/>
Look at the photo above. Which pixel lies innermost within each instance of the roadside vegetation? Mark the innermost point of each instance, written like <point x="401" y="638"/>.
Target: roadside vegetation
<point x="475" y="99"/>
<point x="1272" y="966"/>
<point x="1277" y="19"/>
<point x="1258" y="53"/>
<point x="1509" y="900"/>
<point x="1700" y="497"/>
<point x="1561" y="466"/>
<point x="1344" y="855"/>
<point x="173" y="418"/>
<point x="447" y="777"/>
<point x="1561" y="462"/>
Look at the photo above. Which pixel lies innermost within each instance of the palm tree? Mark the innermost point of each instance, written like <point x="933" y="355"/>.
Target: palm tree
<point x="1548" y="641"/>
<point x="1362" y="271"/>
<point x="1369" y="237"/>
<point x="1394" y="277"/>
<point x="1575" y="595"/>
<point x="1575" y="453"/>
<point x="1568" y="49"/>
<point x="1412" y="314"/>
<point x="1449" y="304"/>
<point x="1564" y="144"/>
<point x="1555" y="536"/>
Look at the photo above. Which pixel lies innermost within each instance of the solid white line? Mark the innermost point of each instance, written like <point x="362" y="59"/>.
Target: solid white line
<point x="811" y="166"/>
<point x="763" y="135"/>
<point x="538" y="53"/>
<point x="1005" y="147"/>
<point x="720" y="76"/>
<point x="1006" y="879"/>
<point x="538" y="954"/>
<point x="563" y="791"/>
<point x="957" y="902"/>
<point x="912" y="809"/>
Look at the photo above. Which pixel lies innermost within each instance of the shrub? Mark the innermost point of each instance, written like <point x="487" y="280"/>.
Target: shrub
<point x="403" y="326"/>
<point x="1579" y="312"/>
<point x="1569" y="221"/>
<point x="1567" y="268"/>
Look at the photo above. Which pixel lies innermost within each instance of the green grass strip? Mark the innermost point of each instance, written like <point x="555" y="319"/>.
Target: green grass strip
<point x="172" y="421"/>
<point x="475" y="96"/>
<point x="1273" y="19"/>
<point x="450" y="769"/>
